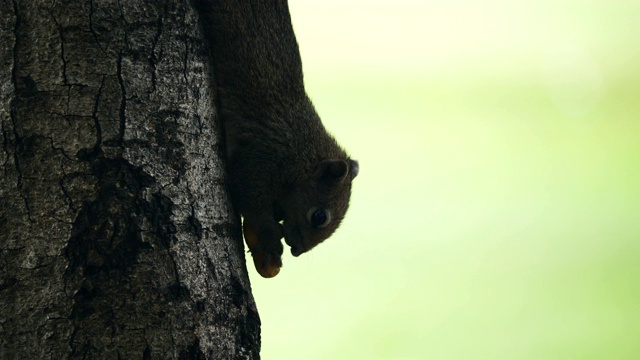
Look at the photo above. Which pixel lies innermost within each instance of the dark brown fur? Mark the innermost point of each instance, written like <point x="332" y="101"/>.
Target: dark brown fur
<point x="281" y="162"/>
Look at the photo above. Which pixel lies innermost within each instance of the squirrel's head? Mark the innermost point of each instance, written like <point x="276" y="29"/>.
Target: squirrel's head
<point x="314" y="208"/>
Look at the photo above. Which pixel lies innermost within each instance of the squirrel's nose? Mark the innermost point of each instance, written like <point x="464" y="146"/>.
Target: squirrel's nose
<point x="296" y="251"/>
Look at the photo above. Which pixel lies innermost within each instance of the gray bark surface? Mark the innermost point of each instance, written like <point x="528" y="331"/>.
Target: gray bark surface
<point x="117" y="239"/>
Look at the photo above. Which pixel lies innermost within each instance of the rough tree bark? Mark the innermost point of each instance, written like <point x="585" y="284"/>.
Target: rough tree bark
<point x="116" y="236"/>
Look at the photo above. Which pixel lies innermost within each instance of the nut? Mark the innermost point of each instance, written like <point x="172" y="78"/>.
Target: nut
<point x="266" y="265"/>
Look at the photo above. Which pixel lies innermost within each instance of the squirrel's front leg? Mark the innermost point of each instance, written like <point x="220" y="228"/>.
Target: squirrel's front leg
<point x="263" y="237"/>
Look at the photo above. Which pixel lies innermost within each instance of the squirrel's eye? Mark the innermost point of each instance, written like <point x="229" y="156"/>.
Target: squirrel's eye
<point x="319" y="217"/>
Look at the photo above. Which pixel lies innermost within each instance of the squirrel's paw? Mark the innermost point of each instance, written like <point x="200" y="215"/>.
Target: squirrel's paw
<point x="266" y="255"/>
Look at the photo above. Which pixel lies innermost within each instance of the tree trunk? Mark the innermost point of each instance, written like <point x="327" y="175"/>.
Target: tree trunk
<point x="117" y="239"/>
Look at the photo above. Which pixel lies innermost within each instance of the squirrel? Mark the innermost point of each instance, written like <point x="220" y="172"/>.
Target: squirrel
<point x="287" y="176"/>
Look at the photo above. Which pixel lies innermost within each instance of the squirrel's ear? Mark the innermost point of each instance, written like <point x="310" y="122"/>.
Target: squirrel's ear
<point x="333" y="169"/>
<point x="354" y="168"/>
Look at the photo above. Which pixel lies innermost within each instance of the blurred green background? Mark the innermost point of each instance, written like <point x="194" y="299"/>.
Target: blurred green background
<point x="497" y="210"/>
